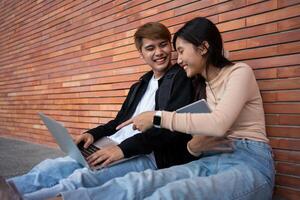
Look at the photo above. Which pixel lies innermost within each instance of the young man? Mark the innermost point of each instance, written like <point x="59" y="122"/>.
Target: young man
<point x="165" y="87"/>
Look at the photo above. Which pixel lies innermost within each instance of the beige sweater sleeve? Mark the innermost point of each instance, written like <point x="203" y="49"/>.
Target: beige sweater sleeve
<point x="240" y="85"/>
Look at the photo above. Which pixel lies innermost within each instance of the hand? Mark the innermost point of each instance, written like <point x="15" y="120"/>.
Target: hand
<point x="141" y="122"/>
<point x="86" y="137"/>
<point x="105" y="156"/>
<point x="199" y="144"/>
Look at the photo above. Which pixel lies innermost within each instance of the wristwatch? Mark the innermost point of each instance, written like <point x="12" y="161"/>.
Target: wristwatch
<point x="157" y="119"/>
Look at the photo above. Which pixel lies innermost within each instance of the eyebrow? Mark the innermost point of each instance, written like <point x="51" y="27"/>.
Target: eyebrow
<point x="150" y="45"/>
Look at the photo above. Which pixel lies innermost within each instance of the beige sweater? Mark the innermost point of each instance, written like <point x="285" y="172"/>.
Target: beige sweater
<point x="237" y="111"/>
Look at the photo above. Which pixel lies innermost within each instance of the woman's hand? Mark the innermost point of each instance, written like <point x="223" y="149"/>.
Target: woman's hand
<point x="105" y="156"/>
<point x="141" y="122"/>
<point x="199" y="144"/>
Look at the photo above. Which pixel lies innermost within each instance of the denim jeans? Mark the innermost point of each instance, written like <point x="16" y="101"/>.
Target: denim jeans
<point x="45" y="174"/>
<point x="245" y="174"/>
<point x="81" y="177"/>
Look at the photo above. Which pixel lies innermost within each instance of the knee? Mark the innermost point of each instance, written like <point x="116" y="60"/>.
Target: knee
<point x="79" y="178"/>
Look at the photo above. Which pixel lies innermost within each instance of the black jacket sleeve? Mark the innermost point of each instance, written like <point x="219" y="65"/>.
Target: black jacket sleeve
<point x="159" y="140"/>
<point x="110" y="127"/>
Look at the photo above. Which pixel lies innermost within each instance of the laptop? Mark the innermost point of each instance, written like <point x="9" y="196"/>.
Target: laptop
<point x="77" y="152"/>
<point x="199" y="106"/>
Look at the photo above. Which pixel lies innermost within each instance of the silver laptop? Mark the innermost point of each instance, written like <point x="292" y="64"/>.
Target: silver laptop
<point x="67" y="145"/>
<point x="199" y="106"/>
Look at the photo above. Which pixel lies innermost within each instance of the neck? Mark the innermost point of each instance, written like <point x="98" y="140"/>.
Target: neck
<point x="158" y="75"/>
<point x="210" y="72"/>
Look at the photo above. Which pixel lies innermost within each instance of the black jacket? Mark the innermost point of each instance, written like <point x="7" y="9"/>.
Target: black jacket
<point x="174" y="91"/>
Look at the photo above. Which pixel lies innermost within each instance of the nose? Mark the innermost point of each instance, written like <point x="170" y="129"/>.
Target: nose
<point x="158" y="51"/>
<point x="179" y="60"/>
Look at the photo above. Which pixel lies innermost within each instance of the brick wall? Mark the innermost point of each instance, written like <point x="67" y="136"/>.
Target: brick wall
<point x="75" y="61"/>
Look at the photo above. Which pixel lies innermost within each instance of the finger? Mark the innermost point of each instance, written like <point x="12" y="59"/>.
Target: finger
<point x="217" y="139"/>
<point x="217" y="144"/>
<point x="94" y="155"/>
<point x="223" y="149"/>
<point x="107" y="162"/>
<point x="95" y="158"/>
<point x="130" y="121"/>
<point x="134" y="127"/>
<point x="99" y="160"/>
<point x="87" y="143"/>
<point x="77" y="139"/>
<point x="226" y="143"/>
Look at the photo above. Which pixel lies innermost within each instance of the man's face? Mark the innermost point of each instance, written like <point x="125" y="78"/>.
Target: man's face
<point x="157" y="54"/>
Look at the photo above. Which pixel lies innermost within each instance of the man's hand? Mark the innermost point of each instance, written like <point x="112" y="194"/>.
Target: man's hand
<point x="141" y="122"/>
<point x="87" y="138"/>
<point x="200" y="144"/>
<point x="105" y="156"/>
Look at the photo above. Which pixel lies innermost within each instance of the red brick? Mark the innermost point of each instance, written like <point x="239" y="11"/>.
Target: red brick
<point x="248" y="10"/>
<point x="273" y="15"/>
<point x="286" y="193"/>
<point x="283" y="131"/>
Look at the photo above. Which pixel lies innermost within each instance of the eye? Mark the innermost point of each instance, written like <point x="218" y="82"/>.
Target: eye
<point x="149" y="48"/>
<point x="163" y="44"/>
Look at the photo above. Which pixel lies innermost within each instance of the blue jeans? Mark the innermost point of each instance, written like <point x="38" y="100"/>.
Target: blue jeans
<point x="81" y="177"/>
<point x="45" y="174"/>
<point x="245" y="174"/>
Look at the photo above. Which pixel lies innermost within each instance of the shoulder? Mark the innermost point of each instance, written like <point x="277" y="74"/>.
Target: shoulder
<point x="237" y="73"/>
<point x="144" y="78"/>
<point x="238" y="69"/>
<point x="176" y="71"/>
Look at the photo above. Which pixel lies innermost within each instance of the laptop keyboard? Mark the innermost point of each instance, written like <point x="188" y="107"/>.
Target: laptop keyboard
<point x="86" y="152"/>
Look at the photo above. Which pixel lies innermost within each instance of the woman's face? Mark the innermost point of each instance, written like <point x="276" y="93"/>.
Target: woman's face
<point x="190" y="57"/>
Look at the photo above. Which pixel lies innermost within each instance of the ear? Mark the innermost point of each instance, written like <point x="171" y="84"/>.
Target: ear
<point x="203" y="48"/>
<point x="141" y="55"/>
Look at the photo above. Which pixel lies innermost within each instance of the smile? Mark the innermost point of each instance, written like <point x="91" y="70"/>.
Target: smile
<point x="160" y="60"/>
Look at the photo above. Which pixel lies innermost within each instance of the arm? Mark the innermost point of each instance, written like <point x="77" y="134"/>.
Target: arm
<point x="153" y="139"/>
<point x="240" y="86"/>
<point x="110" y="127"/>
<point x="182" y="93"/>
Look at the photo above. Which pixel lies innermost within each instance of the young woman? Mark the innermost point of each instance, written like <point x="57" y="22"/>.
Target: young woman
<point x="237" y="113"/>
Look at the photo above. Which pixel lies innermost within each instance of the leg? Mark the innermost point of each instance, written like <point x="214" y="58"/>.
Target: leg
<point x="240" y="182"/>
<point x="45" y="174"/>
<point x="86" y="178"/>
<point x="139" y="185"/>
<point x="247" y="173"/>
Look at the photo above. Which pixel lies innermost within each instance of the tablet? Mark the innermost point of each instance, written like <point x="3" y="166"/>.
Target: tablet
<point x="199" y="106"/>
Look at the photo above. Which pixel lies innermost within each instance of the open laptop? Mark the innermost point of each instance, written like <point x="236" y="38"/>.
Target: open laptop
<point x="67" y="145"/>
<point x="199" y="106"/>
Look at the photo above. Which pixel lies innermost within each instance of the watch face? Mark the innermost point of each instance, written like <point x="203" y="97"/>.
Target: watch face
<point x="156" y="120"/>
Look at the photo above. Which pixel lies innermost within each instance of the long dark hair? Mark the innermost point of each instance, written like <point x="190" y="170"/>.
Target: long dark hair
<point x="198" y="30"/>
